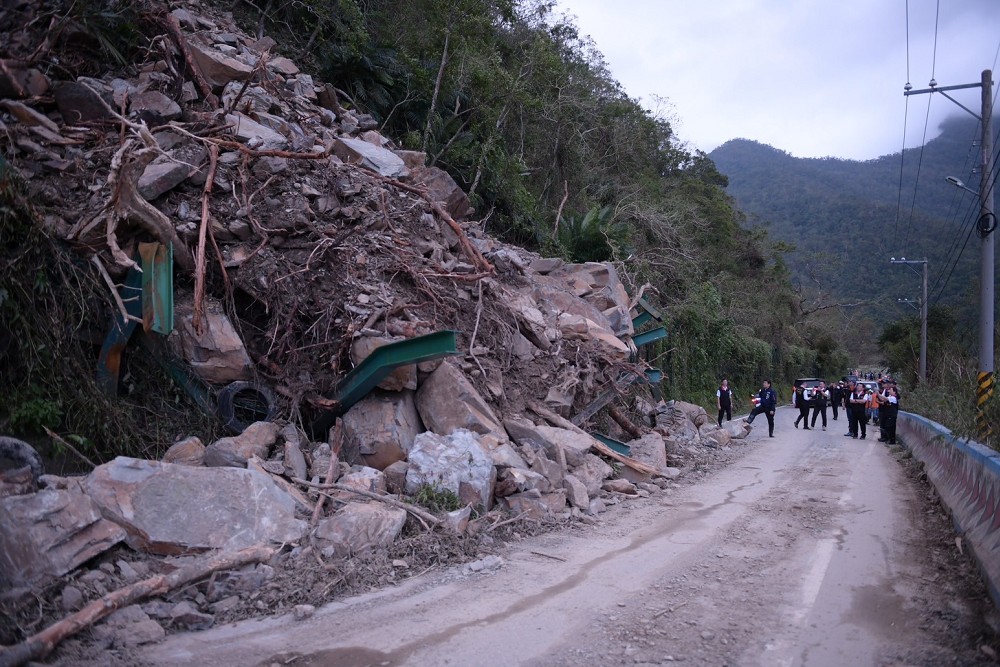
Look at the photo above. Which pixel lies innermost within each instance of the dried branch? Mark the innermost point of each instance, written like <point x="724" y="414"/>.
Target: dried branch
<point x="41" y="644"/>
<point x="424" y="517"/>
<point x="203" y="231"/>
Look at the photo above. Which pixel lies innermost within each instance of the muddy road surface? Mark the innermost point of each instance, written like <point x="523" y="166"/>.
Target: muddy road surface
<point x="808" y="549"/>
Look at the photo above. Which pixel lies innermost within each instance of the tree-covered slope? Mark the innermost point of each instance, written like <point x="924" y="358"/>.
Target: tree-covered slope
<point x="846" y="219"/>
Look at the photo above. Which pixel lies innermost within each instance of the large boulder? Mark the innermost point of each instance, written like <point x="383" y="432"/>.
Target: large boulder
<point x="447" y="401"/>
<point x="695" y="413"/>
<point x="599" y="285"/>
<point x="380" y="428"/>
<point x="648" y="449"/>
<point x="376" y="158"/>
<point x="457" y="462"/>
<point x="441" y="187"/>
<point x="47" y="534"/>
<point x="176" y="509"/>
<point x="360" y="526"/>
<point x="557" y="443"/>
<point x="216" y="353"/>
<point x="592" y="472"/>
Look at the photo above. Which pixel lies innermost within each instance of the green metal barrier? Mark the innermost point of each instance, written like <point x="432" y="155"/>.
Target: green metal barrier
<point x="377" y="366"/>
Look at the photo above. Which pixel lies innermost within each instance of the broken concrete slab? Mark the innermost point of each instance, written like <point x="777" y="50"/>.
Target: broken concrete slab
<point x="456" y="462"/>
<point x="47" y="534"/>
<point x="359" y="526"/>
<point x="173" y="509"/>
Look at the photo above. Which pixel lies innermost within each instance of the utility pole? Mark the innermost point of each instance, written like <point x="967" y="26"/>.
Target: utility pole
<point x="986" y="225"/>
<point x="923" y="312"/>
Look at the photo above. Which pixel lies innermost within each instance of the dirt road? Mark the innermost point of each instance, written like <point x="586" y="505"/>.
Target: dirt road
<point x="807" y="549"/>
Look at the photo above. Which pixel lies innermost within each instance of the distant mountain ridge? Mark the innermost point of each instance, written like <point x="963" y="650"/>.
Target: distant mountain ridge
<point x="846" y="215"/>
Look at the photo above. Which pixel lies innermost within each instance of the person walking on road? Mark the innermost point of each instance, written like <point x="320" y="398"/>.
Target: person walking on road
<point x="800" y="399"/>
<point x="767" y="405"/>
<point x="724" y="401"/>
<point x="820" y="397"/>
<point x="858" y="400"/>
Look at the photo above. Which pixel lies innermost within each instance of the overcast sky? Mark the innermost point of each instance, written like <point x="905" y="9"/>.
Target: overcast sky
<point x="814" y="78"/>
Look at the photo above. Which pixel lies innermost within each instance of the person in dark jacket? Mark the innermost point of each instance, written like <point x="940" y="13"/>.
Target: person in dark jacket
<point x="890" y="410"/>
<point x="768" y="404"/>
<point x="852" y="425"/>
<point x="724" y="401"/>
<point x="857" y="402"/>
<point x="836" y="398"/>
<point x="820" y="396"/>
<point x="802" y="401"/>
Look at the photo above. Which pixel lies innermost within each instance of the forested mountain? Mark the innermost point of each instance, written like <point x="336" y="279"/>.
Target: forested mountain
<point x="846" y="219"/>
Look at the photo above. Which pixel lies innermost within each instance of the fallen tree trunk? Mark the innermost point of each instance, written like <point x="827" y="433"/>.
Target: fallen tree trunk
<point x="41" y="644"/>
<point x="556" y="420"/>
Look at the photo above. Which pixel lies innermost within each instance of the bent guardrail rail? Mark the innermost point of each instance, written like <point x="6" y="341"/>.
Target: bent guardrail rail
<point x="377" y="366"/>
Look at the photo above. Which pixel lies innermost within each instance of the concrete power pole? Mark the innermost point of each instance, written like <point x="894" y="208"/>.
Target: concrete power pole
<point x="987" y="224"/>
<point x="986" y="227"/>
<point x="923" y="312"/>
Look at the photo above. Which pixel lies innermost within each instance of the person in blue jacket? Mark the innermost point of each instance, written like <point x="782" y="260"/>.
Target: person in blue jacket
<point x="768" y="404"/>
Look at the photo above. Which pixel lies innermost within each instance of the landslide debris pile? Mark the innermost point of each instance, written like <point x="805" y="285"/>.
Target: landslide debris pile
<point x="302" y="240"/>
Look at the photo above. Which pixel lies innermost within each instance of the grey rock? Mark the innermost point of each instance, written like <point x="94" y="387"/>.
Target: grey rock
<point x="360" y="526"/>
<point x="376" y="158"/>
<point x="172" y="509"/>
<point x="186" y="616"/>
<point x="456" y="462"/>
<point x="235" y="451"/>
<point x="47" y="534"/>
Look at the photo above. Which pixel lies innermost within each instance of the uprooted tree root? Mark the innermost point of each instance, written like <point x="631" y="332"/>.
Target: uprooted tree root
<point x="54" y="312"/>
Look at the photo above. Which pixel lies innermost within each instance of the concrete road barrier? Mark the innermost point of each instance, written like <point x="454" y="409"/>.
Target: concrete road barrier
<point x="966" y="475"/>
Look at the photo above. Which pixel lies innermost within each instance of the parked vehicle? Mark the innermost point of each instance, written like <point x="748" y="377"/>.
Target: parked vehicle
<point x="808" y="384"/>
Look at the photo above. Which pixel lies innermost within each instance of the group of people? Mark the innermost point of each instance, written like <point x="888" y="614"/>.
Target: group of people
<point x="880" y="407"/>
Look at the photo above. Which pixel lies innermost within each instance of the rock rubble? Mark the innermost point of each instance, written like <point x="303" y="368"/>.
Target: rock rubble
<point x="332" y="242"/>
